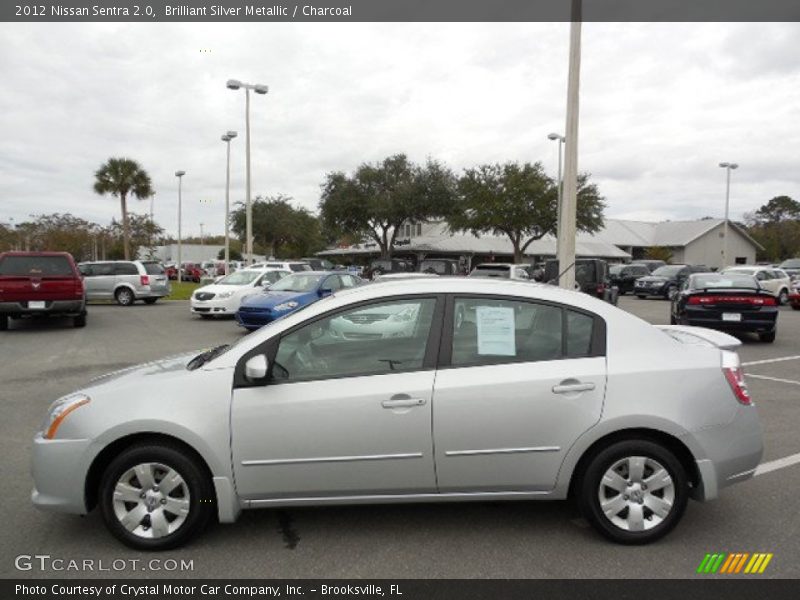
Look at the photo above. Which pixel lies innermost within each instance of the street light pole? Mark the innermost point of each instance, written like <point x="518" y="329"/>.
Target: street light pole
<point x="560" y="183"/>
<point x="567" y="221"/>
<point x="179" y="175"/>
<point x="227" y="139"/>
<point x="202" y="240"/>
<point x="728" y="166"/>
<point x="234" y="84"/>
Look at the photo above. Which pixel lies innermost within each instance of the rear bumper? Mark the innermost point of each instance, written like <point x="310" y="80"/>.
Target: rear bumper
<point x="764" y="322"/>
<point x="732" y="453"/>
<point x="52" y="307"/>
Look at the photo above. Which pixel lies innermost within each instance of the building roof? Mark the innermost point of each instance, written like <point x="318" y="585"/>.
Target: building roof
<point x="666" y="233"/>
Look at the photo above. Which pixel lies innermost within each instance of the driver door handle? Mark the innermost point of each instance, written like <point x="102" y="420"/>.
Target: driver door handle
<point x="402" y="400"/>
<point x="568" y="388"/>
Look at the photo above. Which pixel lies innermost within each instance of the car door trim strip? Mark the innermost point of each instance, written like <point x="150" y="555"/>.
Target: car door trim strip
<point x="328" y="459"/>
<point x="502" y="451"/>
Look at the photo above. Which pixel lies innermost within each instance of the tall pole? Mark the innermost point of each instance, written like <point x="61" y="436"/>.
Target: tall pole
<point x="227" y="205"/>
<point x="202" y="239"/>
<point x="233" y="84"/>
<point x="728" y="166"/>
<point x="179" y="175"/>
<point x="567" y="228"/>
<point x="559" y="181"/>
<point x="249" y="206"/>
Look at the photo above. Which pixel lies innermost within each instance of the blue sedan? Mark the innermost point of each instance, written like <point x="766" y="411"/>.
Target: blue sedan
<point x="290" y="294"/>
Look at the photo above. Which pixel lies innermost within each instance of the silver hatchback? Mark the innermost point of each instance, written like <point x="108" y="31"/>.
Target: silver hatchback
<point x="420" y="390"/>
<point x="125" y="281"/>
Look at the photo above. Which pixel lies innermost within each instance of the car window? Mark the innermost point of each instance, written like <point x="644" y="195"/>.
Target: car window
<point x="125" y="269"/>
<point x="102" y="269"/>
<point x="299" y="267"/>
<point x="272" y="277"/>
<point x="348" y="281"/>
<point x="36" y="266"/>
<point x="332" y="283"/>
<point x="152" y="268"/>
<point x="579" y="334"/>
<point x="490" y="331"/>
<point x="377" y="339"/>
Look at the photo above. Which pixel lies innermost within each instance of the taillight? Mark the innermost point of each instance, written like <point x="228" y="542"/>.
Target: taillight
<point x="735" y="377"/>
<point x="79" y="288"/>
<point x="145" y="279"/>
<point x="751" y="300"/>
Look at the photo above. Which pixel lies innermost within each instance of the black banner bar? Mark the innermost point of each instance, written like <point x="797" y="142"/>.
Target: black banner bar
<point x="711" y="588"/>
<point x="150" y="11"/>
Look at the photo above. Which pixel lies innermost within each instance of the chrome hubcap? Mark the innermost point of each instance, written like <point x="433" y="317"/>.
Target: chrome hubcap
<point x="636" y="493"/>
<point x="151" y="500"/>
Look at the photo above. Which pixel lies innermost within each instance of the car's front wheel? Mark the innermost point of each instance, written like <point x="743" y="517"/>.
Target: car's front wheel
<point x="154" y="497"/>
<point x="783" y="297"/>
<point x="3" y="322"/>
<point x="634" y="491"/>
<point x="767" y="337"/>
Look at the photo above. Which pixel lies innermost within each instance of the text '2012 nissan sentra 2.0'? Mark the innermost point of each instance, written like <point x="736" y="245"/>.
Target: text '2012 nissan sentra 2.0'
<point x="477" y="389"/>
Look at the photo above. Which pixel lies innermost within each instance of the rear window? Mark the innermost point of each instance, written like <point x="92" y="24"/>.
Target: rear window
<point x="299" y="267"/>
<point x="791" y="263"/>
<point x="153" y="268"/>
<point x="36" y="266"/>
<point x="725" y="280"/>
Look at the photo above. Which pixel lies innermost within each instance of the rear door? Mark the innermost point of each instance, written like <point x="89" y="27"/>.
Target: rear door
<point x="524" y="381"/>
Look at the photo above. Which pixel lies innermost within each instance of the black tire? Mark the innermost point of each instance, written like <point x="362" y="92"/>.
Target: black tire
<point x="767" y="338"/>
<point x="640" y="297"/>
<point x="150" y="300"/>
<point x="589" y="490"/>
<point x="783" y="297"/>
<point x="201" y="495"/>
<point x="204" y="316"/>
<point x="3" y="322"/>
<point x="670" y="292"/>
<point x="124" y="297"/>
<point x="79" y="321"/>
<point x="795" y="306"/>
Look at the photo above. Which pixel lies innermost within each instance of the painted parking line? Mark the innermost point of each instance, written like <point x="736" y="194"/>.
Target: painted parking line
<point x="774" y="465"/>
<point x="778" y="379"/>
<point x="767" y="361"/>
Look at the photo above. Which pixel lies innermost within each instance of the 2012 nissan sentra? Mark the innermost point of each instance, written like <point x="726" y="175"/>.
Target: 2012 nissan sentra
<point x="490" y="390"/>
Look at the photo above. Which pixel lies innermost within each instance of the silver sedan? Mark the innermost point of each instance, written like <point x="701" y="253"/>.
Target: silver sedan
<point x="490" y="390"/>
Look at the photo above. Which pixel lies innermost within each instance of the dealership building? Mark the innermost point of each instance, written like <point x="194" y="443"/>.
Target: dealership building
<point x="691" y="242"/>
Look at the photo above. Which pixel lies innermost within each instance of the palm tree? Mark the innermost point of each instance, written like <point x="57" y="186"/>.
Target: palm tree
<point x="120" y="177"/>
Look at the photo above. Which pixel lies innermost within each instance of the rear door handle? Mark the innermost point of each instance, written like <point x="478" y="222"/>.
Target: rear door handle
<point x="569" y="388"/>
<point x="402" y="400"/>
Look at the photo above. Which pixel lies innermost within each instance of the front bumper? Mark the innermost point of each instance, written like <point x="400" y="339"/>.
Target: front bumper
<point x="253" y="319"/>
<point x="52" y="307"/>
<point x="655" y="290"/>
<point x="732" y="453"/>
<point x="59" y="469"/>
<point x="225" y="306"/>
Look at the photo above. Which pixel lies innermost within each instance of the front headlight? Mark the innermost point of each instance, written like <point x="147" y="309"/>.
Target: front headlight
<point x="59" y="411"/>
<point x="287" y="305"/>
<point x="223" y="295"/>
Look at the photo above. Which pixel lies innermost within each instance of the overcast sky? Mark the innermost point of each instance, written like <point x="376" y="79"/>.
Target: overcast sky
<point x="661" y="106"/>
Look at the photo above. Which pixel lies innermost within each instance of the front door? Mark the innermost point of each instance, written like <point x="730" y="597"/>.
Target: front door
<point x="525" y="381"/>
<point x="346" y="410"/>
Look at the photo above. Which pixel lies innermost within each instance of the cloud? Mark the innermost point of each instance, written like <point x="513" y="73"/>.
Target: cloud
<point x="661" y="105"/>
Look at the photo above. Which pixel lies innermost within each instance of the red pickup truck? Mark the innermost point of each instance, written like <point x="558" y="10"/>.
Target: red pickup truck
<point x="40" y="284"/>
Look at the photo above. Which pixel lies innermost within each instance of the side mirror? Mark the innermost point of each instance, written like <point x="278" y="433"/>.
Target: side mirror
<point x="256" y="368"/>
<point x="325" y="292"/>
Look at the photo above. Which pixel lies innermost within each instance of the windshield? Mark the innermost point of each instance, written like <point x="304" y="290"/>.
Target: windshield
<point x="791" y="263"/>
<point x="240" y="278"/>
<point x="726" y="280"/>
<point x="616" y="269"/>
<point x="667" y="271"/>
<point x="491" y="271"/>
<point x="297" y="283"/>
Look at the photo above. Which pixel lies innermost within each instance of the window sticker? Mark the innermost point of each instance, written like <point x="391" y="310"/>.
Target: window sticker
<point x="496" y="331"/>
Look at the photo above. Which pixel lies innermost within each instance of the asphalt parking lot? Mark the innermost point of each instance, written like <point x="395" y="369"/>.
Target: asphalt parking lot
<point x="42" y="361"/>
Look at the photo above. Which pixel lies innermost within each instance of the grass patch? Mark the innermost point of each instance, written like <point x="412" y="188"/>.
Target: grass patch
<point x="182" y="290"/>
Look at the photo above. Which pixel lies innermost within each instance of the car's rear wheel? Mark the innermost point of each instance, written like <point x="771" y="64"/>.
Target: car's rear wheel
<point x="79" y="321"/>
<point x="767" y="337"/>
<point x="634" y="491"/>
<point x="155" y="497"/>
<point x="150" y="300"/>
<point x="124" y="296"/>
<point x="783" y="296"/>
<point x="640" y="297"/>
<point x="3" y="322"/>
